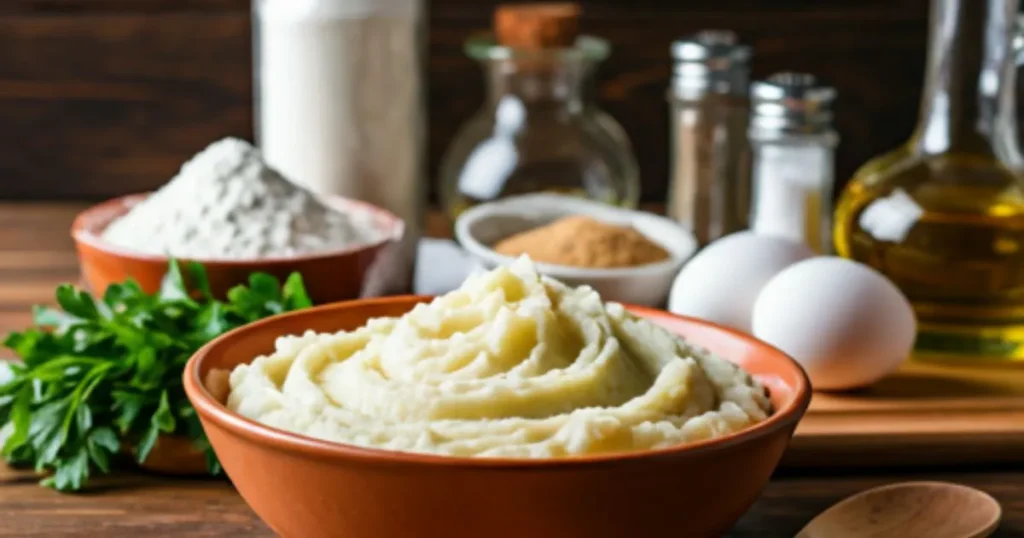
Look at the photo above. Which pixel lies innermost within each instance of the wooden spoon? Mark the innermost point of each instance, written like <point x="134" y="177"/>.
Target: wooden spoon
<point x="909" y="510"/>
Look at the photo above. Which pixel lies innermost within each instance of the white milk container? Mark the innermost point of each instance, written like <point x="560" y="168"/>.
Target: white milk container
<point x="339" y="104"/>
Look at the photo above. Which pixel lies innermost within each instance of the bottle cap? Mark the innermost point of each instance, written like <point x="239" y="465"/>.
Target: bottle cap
<point x="537" y="26"/>
<point x="710" y="61"/>
<point x="790" y="103"/>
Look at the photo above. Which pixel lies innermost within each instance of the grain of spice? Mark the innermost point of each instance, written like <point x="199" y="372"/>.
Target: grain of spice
<point x="581" y="241"/>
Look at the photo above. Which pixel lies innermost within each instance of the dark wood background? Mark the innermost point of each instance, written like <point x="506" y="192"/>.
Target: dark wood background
<point x="103" y="97"/>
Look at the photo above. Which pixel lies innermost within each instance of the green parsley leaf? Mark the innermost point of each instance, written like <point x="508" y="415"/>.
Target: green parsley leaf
<point x="72" y="474"/>
<point x="163" y="420"/>
<point x="123" y="294"/>
<point x="294" y="291"/>
<point x="45" y="316"/>
<point x="129" y="404"/>
<point x="173" y="287"/>
<point x="20" y="418"/>
<point x="146" y="443"/>
<point x="105" y="438"/>
<point x="97" y="375"/>
<point x="200" y="282"/>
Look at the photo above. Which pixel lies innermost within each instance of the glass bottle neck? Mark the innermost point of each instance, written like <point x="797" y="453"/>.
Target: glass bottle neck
<point x="558" y="86"/>
<point x="969" y="72"/>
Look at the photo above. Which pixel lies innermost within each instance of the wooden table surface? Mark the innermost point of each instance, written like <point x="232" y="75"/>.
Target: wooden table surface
<point x="36" y="254"/>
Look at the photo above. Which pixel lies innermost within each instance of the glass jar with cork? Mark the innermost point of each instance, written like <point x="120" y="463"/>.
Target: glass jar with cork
<point x="538" y="130"/>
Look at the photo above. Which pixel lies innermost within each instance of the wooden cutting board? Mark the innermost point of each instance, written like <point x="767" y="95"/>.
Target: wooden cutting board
<point x="922" y="415"/>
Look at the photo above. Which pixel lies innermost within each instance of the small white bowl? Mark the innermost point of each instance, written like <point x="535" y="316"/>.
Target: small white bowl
<point x="479" y="228"/>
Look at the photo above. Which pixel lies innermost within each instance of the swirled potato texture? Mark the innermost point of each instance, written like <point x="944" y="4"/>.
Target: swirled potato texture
<point x="513" y="364"/>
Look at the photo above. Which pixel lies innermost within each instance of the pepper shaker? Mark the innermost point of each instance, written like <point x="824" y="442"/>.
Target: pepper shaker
<point x="793" y="144"/>
<point x="709" y="187"/>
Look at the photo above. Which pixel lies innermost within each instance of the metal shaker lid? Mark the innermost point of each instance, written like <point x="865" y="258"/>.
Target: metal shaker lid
<point x="710" y="61"/>
<point x="790" y="103"/>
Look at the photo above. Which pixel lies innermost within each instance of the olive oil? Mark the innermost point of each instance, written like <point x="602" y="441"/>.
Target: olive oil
<point x="943" y="216"/>
<point x="961" y="262"/>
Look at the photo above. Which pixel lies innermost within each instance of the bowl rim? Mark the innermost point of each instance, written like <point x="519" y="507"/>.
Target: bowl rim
<point x="238" y="425"/>
<point x="512" y="206"/>
<point x="83" y="233"/>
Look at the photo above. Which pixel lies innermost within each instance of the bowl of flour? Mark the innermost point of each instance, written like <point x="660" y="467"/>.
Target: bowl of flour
<point x="229" y="210"/>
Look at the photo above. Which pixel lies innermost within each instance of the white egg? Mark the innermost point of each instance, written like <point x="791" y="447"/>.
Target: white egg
<point x="721" y="283"/>
<point x="848" y="325"/>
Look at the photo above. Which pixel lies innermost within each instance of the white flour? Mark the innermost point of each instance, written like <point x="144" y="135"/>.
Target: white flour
<point x="226" y="203"/>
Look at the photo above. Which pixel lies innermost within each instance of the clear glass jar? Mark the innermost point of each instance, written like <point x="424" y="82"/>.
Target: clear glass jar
<point x="538" y="131"/>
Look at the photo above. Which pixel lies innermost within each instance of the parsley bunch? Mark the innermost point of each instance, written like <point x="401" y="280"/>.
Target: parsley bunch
<point x="98" y="375"/>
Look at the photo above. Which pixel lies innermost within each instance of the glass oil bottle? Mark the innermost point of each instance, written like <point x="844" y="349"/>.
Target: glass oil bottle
<point x="943" y="215"/>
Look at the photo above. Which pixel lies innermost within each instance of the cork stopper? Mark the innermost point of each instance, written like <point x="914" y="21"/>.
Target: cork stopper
<point x="537" y="26"/>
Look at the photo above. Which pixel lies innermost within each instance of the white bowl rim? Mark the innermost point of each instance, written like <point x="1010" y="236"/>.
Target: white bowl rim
<point x="573" y="205"/>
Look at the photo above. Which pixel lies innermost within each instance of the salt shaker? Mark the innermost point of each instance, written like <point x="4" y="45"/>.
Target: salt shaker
<point x="793" y="142"/>
<point x="340" y="107"/>
<point x="709" y="185"/>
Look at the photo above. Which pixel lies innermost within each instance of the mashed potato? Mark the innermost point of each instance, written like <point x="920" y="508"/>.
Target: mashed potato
<point x="513" y="364"/>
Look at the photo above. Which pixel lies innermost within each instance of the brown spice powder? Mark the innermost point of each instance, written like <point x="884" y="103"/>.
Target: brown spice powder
<point x="580" y="241"/>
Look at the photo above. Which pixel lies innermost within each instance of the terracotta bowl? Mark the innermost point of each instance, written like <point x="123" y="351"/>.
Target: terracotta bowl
<point x="330" y="276"/>
<point x="305" y="488"/>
